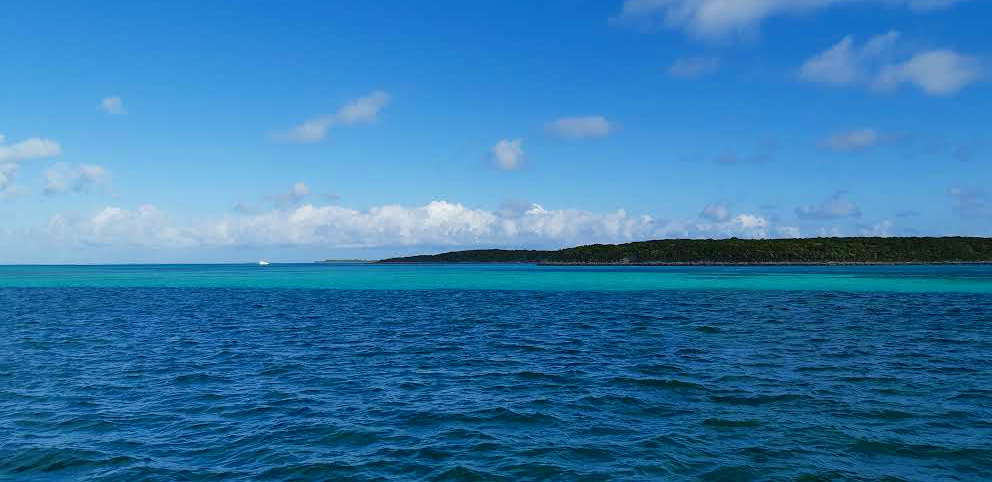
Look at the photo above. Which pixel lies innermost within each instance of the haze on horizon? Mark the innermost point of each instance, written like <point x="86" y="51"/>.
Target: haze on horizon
<point x="304" y="130"/>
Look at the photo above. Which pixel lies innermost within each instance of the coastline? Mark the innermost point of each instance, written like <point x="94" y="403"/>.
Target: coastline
<point x="704" y="263"/>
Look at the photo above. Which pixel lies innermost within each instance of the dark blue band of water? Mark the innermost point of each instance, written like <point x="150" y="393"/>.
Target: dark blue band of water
<point x="126" y="384"/>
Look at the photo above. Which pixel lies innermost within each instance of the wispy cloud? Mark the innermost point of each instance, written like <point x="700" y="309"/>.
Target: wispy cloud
<point x="855" y="140"/>
<point x="718" y="212"/>
<point x="694" y="67"/>
<point x="935" y="72"/>
<point x="8" y="171"/>
<point x="836" y="207"/>
<point x="586" y="127"/>
<point x="364" y="110"/>
<point x="970" y="203"/>
<point x="297" y="193"/>
<point x="63" y="177"/>
<point x="113" y="105"/>
<point x="720" y="18"/>
<point x="33" y="148"/>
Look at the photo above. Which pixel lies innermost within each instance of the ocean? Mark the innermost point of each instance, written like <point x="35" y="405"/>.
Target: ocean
<point x="495" y="372"/>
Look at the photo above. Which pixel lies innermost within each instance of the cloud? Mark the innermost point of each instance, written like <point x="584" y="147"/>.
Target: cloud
<point x="852" y="140"/>
<point x="935" y="72"/>
<point x="436" y="224"/>
<point x="882" y="229"/>
<point x="845" y="63"/>
<point x="113" y="105"/>
<point x="720" y="18"/>
<point x="718" y="212"/>
<point x="507" y="154"/>
<point x="970" y="203"/>
<point x="8" y="171"/>
<point x="33" y="148"/>
<point x="694" y="67"/>
<point x="288" y="199"/>
<point x="63" y="177"/>
<point x="836" y="207"/>
<point x="581" y="127"/>
<point x="763" y="151"/>
<point x="364" y="110"/>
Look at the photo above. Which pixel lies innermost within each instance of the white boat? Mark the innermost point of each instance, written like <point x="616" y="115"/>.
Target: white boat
<point x="263" y="263"/>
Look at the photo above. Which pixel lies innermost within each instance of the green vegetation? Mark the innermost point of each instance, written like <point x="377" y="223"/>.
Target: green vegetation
<point x="740" y="251"/>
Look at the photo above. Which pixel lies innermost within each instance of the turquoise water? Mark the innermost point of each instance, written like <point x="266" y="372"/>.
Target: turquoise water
<point x="905" y="279"/>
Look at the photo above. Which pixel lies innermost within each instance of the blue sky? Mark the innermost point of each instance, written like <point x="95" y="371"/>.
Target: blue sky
<point x="291" y="130"/>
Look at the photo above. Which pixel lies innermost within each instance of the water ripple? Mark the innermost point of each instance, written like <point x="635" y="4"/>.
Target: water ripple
<point x="162" y="384"/>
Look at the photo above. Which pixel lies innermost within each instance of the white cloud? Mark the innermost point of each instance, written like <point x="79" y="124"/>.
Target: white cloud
<point x="507" y="154"/>
<point x="719" y="18"/>
<point x="438" y="223"/>
<point x="146" y="226"/>
<point x="791" y="232"/>
<point x="8" y="171"/>
<point x="694" y="67"/>
<point x="936" y="72"/>
<point x="836" y="207"/>
<point x="363" y="110"/>
<point x="63" y="177"/>
<point x="846" y="63"/>
<point x="113" y="105"/>
<point x="718" y="212"/>
<point x="33" y="148"/>
<point x="581" y="127"/>
<point x="882" y="229"/>
<point x="852" y="140"/>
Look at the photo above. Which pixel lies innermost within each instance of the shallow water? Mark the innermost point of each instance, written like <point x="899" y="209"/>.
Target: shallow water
<point x="183" y="373"/>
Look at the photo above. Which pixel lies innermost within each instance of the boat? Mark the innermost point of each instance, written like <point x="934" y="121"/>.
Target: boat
<point x="263" y="263"/>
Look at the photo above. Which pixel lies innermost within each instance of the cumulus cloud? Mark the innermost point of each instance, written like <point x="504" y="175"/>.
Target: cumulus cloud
<point x="364" y="110"/>
<point x="694" y="67"/>
<point x="63" y="177"/>
<point x="852" y="140"/>
<point x="581" y="127"/>
<point x="439" y="223"/>
<point x="836" y="207"/>
<point x="507" y="154"/>
<point x="33" y="148"/>
<point x="718" y="212"/>
<point x="935" y="72"/>
<point x="719" y="18"/>
<point x="113" y="105"/>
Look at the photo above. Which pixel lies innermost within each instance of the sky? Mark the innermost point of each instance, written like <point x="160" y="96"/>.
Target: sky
<point x="232" y="131"/>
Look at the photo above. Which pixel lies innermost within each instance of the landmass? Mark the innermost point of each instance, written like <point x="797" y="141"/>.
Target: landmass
<point x="678" y="252"/>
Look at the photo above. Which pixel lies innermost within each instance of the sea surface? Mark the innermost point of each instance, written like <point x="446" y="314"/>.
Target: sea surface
<point x="495" y="372"/>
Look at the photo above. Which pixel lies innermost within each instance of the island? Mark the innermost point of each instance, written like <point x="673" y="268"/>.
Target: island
<point x="733" y="251"/>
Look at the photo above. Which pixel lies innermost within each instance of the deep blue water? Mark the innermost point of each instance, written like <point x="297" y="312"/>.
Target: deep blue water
<point x="159" y="382"/>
